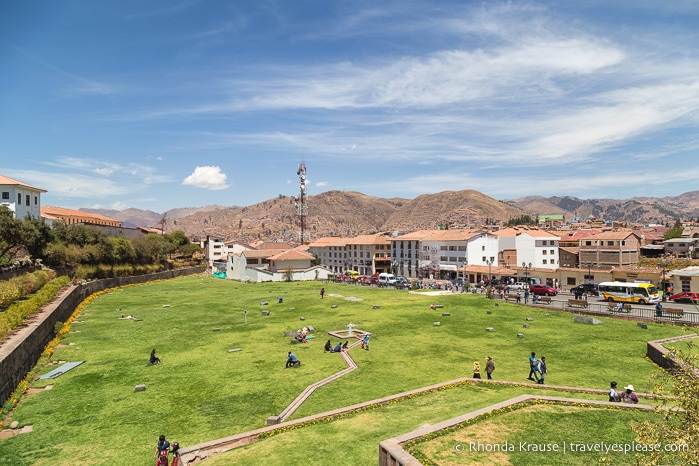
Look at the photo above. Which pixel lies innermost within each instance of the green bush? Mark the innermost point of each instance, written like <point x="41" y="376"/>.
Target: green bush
<point x="24" y="285"/>
<point x="96" y="272"/>
<point x="19" y="311"/>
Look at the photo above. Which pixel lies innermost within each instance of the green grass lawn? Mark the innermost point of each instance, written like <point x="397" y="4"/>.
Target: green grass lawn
<point x="687" y="347"/>
<point x="542" y="434"/>
<point x="201" y="391"/>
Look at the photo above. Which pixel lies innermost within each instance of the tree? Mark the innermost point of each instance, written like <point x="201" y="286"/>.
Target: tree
<point x="178" y="238"/>
<point x="675" y="231"/>
<point x="11" y="235"/>
<point x="37" y="235"/>
<point x="680" y="427"/>
<point x="122" y="250"/>
<point x="162" y="222"/>
<point x="152" y="249"/>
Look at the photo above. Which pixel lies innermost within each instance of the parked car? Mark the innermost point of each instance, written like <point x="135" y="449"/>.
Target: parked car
<point x="387" y="279"/>
<point x="585" y="288"/>
<point x="685" y="297"/>
<point x="543" y="290"/>
<point x="519" y="286"/>
<point x="402" y="282"/>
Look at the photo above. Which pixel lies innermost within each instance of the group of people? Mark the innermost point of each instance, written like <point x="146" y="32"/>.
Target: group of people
<point x="537" y="368"/>
<point x="337" y="348"/>
<point x="489" y="368"/>
<point x="302" y="335"/>
<point x="627" y="396"/>
<point x="343" y="346"/>
<point x="163" y="450"/>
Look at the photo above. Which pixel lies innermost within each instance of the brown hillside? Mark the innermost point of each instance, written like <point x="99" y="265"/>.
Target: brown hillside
<point x="330" y="213"/>
<point x="345" y="213"/>
<point x="458" y="209"/>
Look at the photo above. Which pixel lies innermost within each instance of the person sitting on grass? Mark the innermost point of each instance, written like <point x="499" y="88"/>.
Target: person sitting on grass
<point x="153" y="358"/>
<point x="344" y="346"/>
<point x="328" y="346"/>
<point x="337" y="348"/>
<point x="292" y="360"/>
<point x="628" y="396"/>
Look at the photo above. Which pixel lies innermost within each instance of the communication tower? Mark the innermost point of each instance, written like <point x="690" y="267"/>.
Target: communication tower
<point x="301" y="206"/>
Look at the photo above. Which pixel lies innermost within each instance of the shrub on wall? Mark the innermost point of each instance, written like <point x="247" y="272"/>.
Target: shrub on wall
<point x="96" y="272"/>
<point x="24" y="285"/>
<point x="19" y="311"/>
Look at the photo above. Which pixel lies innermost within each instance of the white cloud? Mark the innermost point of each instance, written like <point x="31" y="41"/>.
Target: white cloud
<point x="209" y="177"/>
<point x="321" y="184"/>
<point x="104" y="171"/>
<point x="119" y="205"/>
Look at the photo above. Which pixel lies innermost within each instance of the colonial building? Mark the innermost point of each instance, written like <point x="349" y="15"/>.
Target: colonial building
<point x="331" y="252"/>
<point x="72" y="217"/>
<point x="368" y="254"/>
<point x="442" y="253"/>
<point x="21" y="198"/>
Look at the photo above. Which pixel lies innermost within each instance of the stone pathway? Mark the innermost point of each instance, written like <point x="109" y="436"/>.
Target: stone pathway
<point x="296" y="404"/>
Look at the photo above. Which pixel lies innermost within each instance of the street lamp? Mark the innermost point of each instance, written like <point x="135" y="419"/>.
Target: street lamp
<point x="465" y="264"/>
<point x="526" y="271"/>
<point x="589" y="274"/>
<point x="663" y="264"/>
<point x="490" y="275"/>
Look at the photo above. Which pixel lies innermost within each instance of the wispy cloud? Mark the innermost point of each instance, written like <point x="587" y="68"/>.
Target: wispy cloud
<point x="70" y="83"/>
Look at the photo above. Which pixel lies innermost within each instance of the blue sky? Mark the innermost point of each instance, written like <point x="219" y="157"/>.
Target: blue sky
<point x="164" y="104"/>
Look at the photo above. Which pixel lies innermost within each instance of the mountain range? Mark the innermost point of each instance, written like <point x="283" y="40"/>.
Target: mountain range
<point x="349" y="213"/>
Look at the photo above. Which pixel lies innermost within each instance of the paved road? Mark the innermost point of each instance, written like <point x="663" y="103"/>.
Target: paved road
<point x="638" y="310"/>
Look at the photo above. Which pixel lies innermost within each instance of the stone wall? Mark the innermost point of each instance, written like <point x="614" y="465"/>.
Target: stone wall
<point x="656" y="352"/>
<point x="20" y="352"/>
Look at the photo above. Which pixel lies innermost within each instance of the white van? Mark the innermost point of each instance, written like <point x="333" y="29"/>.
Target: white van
<point x="386" y="279"/>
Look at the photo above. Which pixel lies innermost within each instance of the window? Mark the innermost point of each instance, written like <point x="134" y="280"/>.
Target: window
<point x="443" y="258"/>
<point x="27" y="200"/>
<point x="544" y="261"/>
<point x="443" y="248"/>
<point x="553" y="252"/>
<point x="19" y="199"/>
<point x="610" y="243"/>
<point x="484" y="258"/>
<point x="544" y="253"/>
<point x="6" y="195"/>
<point x="588" y="243"/>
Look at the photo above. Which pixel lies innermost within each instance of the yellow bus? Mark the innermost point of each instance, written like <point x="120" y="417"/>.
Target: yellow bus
<point x="641" y="293"/>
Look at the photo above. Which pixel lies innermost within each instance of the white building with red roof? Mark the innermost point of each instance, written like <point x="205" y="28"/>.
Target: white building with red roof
<point x="21" y="198"/>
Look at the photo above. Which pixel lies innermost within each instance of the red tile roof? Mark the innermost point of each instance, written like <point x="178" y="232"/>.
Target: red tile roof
<point x="9" y="181"/>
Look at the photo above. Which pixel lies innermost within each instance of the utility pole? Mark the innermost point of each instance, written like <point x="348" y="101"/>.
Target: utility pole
<point x="302" y="208"/>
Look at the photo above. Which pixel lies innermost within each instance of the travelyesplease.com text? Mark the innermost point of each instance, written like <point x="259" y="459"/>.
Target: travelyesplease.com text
<point x="568" y="447"/>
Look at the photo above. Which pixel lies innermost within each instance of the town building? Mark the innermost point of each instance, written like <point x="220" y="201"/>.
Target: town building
<point x="440" y="254"/>
<point x="529" y="246"/>
<point x="610" y="249"/>
<point x="21" y="198"/>
<point x="77" y="217"/>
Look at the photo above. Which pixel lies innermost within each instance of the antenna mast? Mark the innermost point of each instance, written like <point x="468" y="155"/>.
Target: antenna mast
<point x="302" y="208"/>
